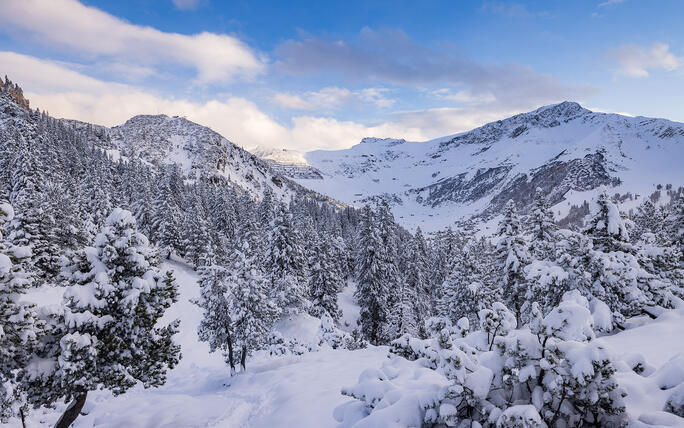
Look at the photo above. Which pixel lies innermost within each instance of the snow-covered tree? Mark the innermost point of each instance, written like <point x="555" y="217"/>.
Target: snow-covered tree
<point x="252" y="311"/>
<point x="376" y="271"/>
<point x="216" y="326"/>
<point x="513" y="255"/>
<point x="286" y="266"/>
<point x="542" y="226"/>
<point x="326" y="280"/>
<point x="415" y="264"/>
<point x="19" y="326"/>
<point x="606" y="227"/>
<point x="110" y="336"/>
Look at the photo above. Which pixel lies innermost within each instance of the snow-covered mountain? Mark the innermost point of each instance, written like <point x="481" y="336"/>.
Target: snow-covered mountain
<point x="289" y="163"/>
<point x="565" y="149"/>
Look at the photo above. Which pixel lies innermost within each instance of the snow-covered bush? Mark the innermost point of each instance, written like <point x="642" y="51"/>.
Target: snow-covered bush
<point x="330" y="335"/>
<point x="675" y="402"/>
<point x="498" y="321"/>
<point x="551" y="374"/>
<point x="278" y="345"/>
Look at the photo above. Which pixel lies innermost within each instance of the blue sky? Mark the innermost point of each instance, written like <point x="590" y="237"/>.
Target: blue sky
<point x="310" y="75"/>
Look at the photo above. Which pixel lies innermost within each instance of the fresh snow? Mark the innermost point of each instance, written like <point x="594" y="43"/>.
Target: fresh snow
<point x="303" y="391"/>
<point x="283" y="391"/>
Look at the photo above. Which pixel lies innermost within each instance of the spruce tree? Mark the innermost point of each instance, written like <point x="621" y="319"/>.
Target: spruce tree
<point x="252" y="311"/>
<point x="543" y="229"/>
<point x="287" y="265"/>
<point x="326" y="280"/>
<point x="19" y="326"/>
<point x="513" y="255"/>
<point x="376" y="272"/>
<point x="216" y="326"/>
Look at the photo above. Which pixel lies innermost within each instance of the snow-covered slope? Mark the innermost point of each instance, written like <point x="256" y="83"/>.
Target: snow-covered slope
<point x="200" y="152"/>
<point x="559" y="148"/>
<point x="304" y="390"/>
<point x="274" y="392"/>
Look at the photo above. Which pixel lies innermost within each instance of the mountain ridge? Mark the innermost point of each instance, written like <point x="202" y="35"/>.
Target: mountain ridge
<point x="563" y="148"/>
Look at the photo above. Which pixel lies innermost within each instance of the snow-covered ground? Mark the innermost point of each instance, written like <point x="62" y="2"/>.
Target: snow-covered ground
<point x="302" y="391"/>
<point x="290" y="391"/>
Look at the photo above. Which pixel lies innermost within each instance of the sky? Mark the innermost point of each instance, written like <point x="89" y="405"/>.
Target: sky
<point x="309" y="75"/>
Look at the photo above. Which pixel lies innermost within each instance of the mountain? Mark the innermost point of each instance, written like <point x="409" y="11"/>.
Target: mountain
<point x="289" y="163"/>
<point x="565" y="149"/>
<point x="199" y="152"/>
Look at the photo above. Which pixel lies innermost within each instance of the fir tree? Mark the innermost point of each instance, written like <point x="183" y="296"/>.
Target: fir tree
<point x="252" y="311"/>
<point x="216" y="326"/>
<point x="542" y="226"/>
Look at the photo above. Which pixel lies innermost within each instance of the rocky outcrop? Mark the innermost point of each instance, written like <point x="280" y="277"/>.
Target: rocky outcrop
<point x="15" y="92"/>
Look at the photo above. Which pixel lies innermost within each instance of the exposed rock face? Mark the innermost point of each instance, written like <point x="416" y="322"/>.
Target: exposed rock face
<point x="563" y="149"/>
<point x="15" y="92"/>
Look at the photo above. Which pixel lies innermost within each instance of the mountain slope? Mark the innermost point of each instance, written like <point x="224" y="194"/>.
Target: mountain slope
<point x="561" y="148"/>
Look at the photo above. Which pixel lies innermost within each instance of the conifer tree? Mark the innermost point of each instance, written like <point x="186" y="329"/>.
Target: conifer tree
<point x="513" y="255"/>
<point x="376" y="271"/>
<point x="542" y="226"/>
<point x="110" y="337"/>
<point x="216" y="326"/>
<point x="252" y="311"/>
<point x="287" y="265"/>
<point x="326" y="280"/>
<point x="18" y="323"/>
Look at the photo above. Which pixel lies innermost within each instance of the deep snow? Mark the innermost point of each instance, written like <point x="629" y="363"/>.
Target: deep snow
<point x="303" y="391"/>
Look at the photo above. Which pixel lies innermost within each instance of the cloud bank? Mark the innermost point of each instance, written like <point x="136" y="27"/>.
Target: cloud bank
<point x="92" y="33"/>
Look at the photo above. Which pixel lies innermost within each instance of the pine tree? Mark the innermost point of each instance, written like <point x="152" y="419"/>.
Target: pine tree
<point x="415" y="276"/>
<point x="607" y="228"/>
<point x="18" y="323"/>
<point x="287" y="265"/>
<point x="326" y="280"/>
<point x="513" y="255"/>
<point x="252" y="311"/>
<point x="403" y="318"/>
<point x="542" y="227"/>
<point x="110" y="334"/>
<point x="376" y="271"/>
<point x="216" y="326"/>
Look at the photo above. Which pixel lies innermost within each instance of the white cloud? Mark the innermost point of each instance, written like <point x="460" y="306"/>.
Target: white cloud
<point x="91" y="32"/>
<point x="463" y="96"/>
<point x="67" y="93"/>
<point x="610" y="3"/>
<point x="636" y="61"/>
<point x="186" y="4"/>
<point x="331" y="98"/>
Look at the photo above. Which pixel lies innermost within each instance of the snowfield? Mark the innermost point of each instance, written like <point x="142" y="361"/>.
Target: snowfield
<point x="304" y="391"/>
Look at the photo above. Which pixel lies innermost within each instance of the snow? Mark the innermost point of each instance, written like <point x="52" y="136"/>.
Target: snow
<point x="634" y="149"/>
<point x="304" y="391"/>
<point x="5" y="264"/>
<point x="349" y="307"/>
<point x="284" y="391"/>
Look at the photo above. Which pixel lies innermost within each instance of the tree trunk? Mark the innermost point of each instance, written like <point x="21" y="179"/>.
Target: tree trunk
<point x="72" y="412"/>
<point x="243" y="358"/>
<point x="23" y="418"/>
<point x="231" y="359"/>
